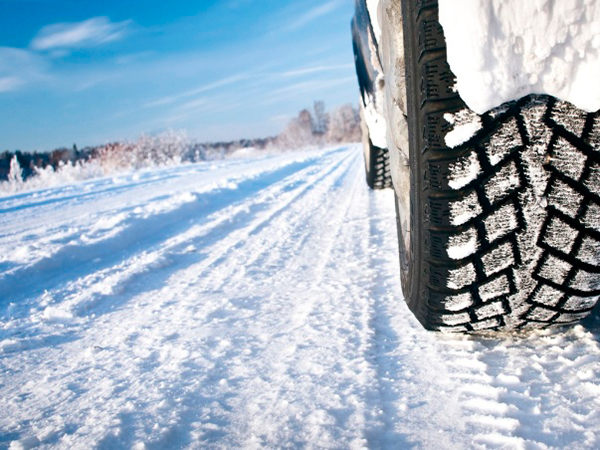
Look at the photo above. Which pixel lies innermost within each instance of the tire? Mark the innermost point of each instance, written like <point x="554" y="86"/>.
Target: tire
<point x="377" y="163"/>
<point x="504" y="229"/>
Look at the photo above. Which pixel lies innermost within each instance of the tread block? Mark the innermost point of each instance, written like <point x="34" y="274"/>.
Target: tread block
<point x="486" y="324"/>
<point x="576" y="303"/>
<point x="571" y="317"/>
<point x="456" y="173"/>
<point x="567" y="159"/>
<point x="498" y="287"/>
<point x="503" y="183"/>
<point x="554" y="270"/>
<point x="547" y="295"/>
<point x="564" y="198"/>
<point x="591" y="218"/>
<point x="589" y="251"/>
<point x="434" y="131"/>
<point x="501" y="222"/>
<point x="490" y="310"/>
<point x="498" y="259"/>
<point x="593" y="179"/>
<point x="503" y="141"/>
<point x="585" y="281"/>
<point x="458" y="302"/>
<point x="559" y="235"/>
<point x="541" y="314"/>
<point x="461" y="277"/>
<point x="567" y="116"/>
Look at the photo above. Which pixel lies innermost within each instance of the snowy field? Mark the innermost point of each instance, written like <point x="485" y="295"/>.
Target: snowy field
<point x="255" y="303"/>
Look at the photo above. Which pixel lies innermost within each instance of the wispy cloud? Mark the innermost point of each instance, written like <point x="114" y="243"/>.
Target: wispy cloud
<point x="19" y="67"/>
<point x="89" y="33"/>
<point x="199" y="90"/>
<point x="304" y="88"/>
<point x="313" y="14"/>
<point x="9" y="83"/>
<point x="316" y="69"/>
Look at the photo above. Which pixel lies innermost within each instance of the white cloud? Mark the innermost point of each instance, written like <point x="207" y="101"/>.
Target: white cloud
<point x="317" y="69"/>
<point x="9" y="83"/>
<point x="313" y="14"/>
<point x="89" y="33"/>
<point x="200" y="90"/>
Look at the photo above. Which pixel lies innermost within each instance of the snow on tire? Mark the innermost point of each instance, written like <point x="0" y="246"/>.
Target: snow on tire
<point x="505" y="226"/>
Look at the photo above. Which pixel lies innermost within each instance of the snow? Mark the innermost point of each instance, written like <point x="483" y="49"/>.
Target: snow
<point x="461" y="211"/>
<point x="376" y="123"/>
<point x="463" y="245"/>
<point x="373" y="104"/>
<point x="463" y="171"/>
<point x="255" y="303"/>
<point x="465" y="124"/>
<point x="374" y="8"/>
<point x="502" y="50"/>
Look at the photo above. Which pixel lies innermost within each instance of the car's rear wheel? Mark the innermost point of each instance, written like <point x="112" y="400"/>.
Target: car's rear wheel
<point x="501" y="231"/>
<point x="377" y="164"/>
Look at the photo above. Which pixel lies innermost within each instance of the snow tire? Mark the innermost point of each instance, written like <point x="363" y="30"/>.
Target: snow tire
<point x="377" y="162"/>
<point x="377" y="167"/>
<point x="505" y="227"/>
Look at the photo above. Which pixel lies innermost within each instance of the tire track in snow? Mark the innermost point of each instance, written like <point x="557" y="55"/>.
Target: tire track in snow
<point x="131" y="337"/>
<point x="519" y="385"/>
<point x="139" y="233"/>
<point x="113" y="286"/>
<point x="303" y="405"/>
<point x="220" y="251"/>
<point x="170" y="318"/>
<point x="245" y="339"/>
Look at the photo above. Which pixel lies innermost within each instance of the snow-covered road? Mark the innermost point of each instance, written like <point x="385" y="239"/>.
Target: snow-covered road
<point x="255" y="303"/>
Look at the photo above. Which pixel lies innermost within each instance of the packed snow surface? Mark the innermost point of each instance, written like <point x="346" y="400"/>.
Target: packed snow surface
<point x="255" y="303"/>
<point x="502" y="50"/>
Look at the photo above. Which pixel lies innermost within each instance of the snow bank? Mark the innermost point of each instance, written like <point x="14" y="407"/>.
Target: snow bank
<point x="502" y="50"/>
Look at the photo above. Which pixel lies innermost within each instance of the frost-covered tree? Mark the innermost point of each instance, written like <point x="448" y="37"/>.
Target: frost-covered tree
<point x="344" y="125"/>
<point x="299" y="132"/>
<point x="15" y="175"/>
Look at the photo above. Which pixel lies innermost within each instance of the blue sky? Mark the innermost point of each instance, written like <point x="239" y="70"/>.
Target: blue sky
<point x="91" y="72"/>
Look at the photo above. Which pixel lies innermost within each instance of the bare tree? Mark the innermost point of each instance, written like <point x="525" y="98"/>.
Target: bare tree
<point x="321" y="119"/>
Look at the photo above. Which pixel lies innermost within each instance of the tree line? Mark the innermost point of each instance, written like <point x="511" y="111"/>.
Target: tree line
<point x="315" y="127"/>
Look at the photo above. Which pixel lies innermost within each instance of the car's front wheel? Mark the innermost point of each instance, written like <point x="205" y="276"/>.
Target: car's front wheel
<point x="501" y="231"/>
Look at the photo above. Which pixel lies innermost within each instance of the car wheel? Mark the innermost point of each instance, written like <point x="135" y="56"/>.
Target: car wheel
<point x="377" y="164"/>
<point x="501" y="231"/>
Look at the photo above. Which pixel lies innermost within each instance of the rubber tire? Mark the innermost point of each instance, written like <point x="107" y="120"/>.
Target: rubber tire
<point x="378" y="171"/>
<point x="377" y="163"/>
<point x="528" y="218"/>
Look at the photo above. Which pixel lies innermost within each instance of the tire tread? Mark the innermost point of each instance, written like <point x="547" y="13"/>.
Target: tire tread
<point x="530" y="292"/>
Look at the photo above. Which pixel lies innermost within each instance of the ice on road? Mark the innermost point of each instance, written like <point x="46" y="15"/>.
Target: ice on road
<point x="255" y="303"/>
